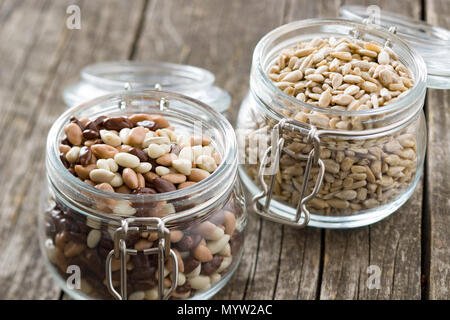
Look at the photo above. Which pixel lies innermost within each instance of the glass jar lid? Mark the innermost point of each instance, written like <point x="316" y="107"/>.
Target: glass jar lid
<point x="432" y="43"/>
<point x="108" y="77"/>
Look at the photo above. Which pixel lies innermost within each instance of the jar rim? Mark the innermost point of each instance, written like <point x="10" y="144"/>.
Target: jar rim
<point x="218" y="122"/>
<point x="415" y="94"/>
<point x="104" y="74"/>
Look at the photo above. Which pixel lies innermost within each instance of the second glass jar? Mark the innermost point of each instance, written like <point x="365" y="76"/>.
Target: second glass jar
<point x="300" y="169"/>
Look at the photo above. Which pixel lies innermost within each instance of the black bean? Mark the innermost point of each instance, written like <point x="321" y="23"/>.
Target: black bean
<point x="90" y="134"/>
<point x="117" y="123"/>
<point x="208" y="268"/>
<point x="139" y="153"/>
<point x="190" y="264"/>
<point x="64" y="160"/>
<point x="162" y="185"/>
<point x="96" y="124"/>
<point x="85" y="155"/>
<point x="75" y="120"/>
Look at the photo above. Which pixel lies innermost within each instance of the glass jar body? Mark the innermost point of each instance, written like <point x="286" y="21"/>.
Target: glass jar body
<point x="366" y="178"/>
<point x="372" y="159"/>
<point x="183" y="244"/>
<point x="74" y="243"/>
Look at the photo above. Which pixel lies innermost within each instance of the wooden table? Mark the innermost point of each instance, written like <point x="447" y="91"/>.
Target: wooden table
<point x="40" y="56"/>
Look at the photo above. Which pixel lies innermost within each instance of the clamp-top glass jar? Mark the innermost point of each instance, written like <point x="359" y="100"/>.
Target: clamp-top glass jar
<point x="360" y="164"/>
<point x="180" y="244"/>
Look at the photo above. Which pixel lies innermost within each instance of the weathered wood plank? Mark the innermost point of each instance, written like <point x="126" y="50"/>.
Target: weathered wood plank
<point x="393" y="244"/>
<point x="437" y="210"/>
<point x="219" y="36"/>
<point x="35" y="72"/>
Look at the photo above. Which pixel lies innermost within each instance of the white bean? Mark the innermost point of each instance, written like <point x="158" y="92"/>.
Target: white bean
<point x="183" y="166"/>
<point x="117" y="181"/>
<point x="143" y="167"/>
<point x="101" y="175"/>
<point x="137" y="295"/>
<point x="127" y="160"/>
<point x="93" y="238"/>
<point x="155" y="151"/>
<point x="216" y="246"/>
<point x="206" y="163"/>
<point x="73" y="154"/>
<point x="110" y="138"/>
<point x="225" y="264"/>
<point x="200" y="283"/>
<point x="123" y="207"/>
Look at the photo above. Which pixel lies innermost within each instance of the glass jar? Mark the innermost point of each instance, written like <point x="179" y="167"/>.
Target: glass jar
<point x="107" y="77"/>
<point x="102" y="245"/>
<point x="354" y="177"/>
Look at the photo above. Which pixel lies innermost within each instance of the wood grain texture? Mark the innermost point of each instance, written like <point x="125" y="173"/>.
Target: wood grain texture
<point x="392" y="244"/>
<point x="42" y="57"/>
<point x="41" y="52"/>
<point x="437" y="209"/>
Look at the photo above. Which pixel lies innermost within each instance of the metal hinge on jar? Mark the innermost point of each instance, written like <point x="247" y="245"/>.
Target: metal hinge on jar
<point x="121" y="251"/>
<point x="275" y="150"/>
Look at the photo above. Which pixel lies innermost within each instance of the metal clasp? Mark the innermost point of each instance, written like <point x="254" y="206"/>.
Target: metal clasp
<point x="275" y="150"/>
<point x="120" y="251"/>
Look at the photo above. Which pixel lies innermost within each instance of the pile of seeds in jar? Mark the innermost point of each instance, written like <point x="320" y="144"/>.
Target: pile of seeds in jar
<point x="348" y="75"/>
<point x="140" y="154"/>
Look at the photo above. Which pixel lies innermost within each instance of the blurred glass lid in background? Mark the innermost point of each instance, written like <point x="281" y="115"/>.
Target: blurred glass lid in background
<point x="432" y="43"/>
<point x="107" y="77"/>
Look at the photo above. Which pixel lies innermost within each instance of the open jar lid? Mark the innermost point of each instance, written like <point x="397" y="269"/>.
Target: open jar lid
<point x="108" y="77"/>
<point x="432" y="43"/>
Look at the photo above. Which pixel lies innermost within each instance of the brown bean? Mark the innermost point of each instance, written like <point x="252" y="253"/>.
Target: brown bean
<point x="74" y="134"/>
<point x="162" y="185"/>
<point x="103" y="151"/>
<point x="198" y="174"/>
<point x="63" y="148"/>
<point x="229" y="223"/>
<point x="175" y="178"/>
<point x="143" y="157"/>
<point x="186" y="184"/>
<point x="176" y="235"/>
<point x="72" y="249"/>
<point x="83" y="171"/>
<point x="166" y="159"/>
<point x="136" y="136"/>
<point x="124" y="148"/>
<point x="130" y="178"/>
<point x="105" y="186"/>
<point x="150" y="176"/>
<point x="123" y="189"/>
<point x="202" y="253"/>
<point x="137" y="117"/>
<point x="159" y="120"/>
<point x="117" y="123"/>
<point x="141" y="180"/>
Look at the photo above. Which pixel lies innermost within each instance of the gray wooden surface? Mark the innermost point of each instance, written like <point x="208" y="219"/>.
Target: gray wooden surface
<point x="40" y="56"/>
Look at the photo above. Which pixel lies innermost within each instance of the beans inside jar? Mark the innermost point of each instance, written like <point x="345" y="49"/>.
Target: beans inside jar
<point x="343" y="74"/>
<point x="140" y="154"/>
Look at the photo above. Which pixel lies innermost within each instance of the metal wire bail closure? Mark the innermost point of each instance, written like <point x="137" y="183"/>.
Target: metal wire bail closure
<point x="120" y="251"/>
<point x="275" y="150"/>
